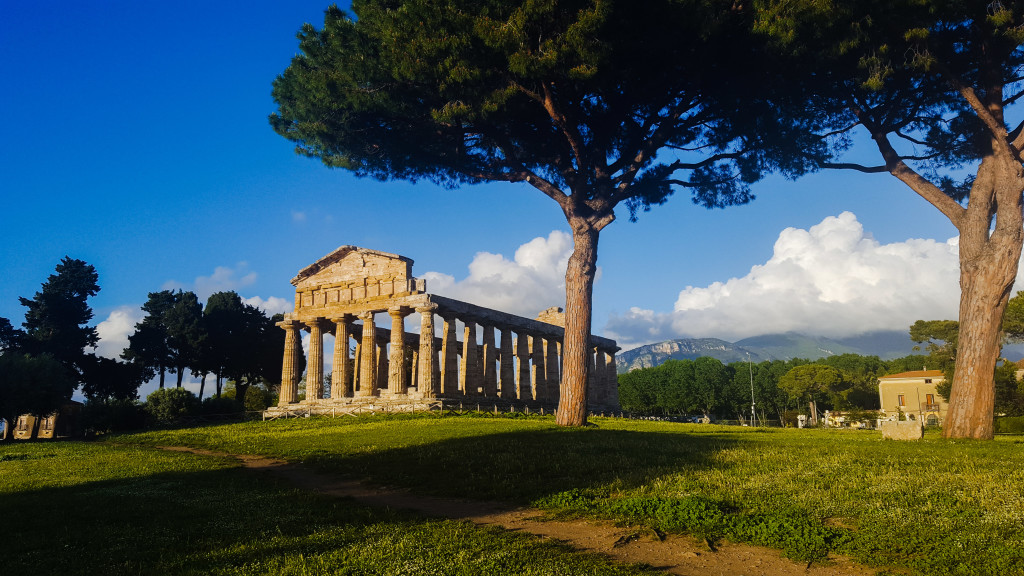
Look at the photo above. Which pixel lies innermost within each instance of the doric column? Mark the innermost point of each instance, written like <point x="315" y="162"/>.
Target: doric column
<point x="537" y="374"/>
<point x="315" y="367"/>
<point x="552" y="364"/>
<point x="470" y="361"/>
<point x="292" y="349"/>
<point x="382" y="367"/>
<point x="490" y="358"/>
<point x="426" y="366"/>
<point x="601" y="379"/>
<point x="449" y="359"/>
<point x="367" y="357"/>
<point x="341" y="369"/>
<point x="613" y="378"/>
<point x="506" y="365"/>
<point x="397" y="382"/>
<point x="523" y="389"/>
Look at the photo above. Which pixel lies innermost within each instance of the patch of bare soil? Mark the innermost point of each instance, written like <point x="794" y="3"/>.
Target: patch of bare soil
<point x="669" y="553"/>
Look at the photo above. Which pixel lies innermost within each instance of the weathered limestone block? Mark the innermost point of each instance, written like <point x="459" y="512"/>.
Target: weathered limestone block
<point x="506" y="366"/>
<point x="523" y="389"/>
<point x="315" y="366"/>
<point x="292" y="349"/>
<point x="341" y="369"/>
<point x="471" y="368"/>
<point x="552" y="364"/>
<point x="537" y="371"/>
<point x="397" y="380"/>
<point x="489" y="355"/>
<point x="367" y="357"/>
<point x="902" y="430"/>
<point x="449" y="359"/>
<point x="427" y="358"/>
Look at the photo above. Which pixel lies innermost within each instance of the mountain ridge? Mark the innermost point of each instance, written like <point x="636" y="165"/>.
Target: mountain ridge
<point x="885" y="344"/>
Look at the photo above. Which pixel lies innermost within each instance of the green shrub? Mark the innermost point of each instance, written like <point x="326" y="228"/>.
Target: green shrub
<point x="1010" y="425"/>
<point x="103" y="416"/>
<point x="222" y="405"/>
<point x="168" y="406"/>
<point x="256" y="399"/>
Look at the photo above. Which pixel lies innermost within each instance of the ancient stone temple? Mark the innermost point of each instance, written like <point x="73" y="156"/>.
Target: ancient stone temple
<point x="460" y="354"/>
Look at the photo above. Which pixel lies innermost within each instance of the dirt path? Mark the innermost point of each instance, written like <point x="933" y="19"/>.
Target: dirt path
<point x="672" y="554"/>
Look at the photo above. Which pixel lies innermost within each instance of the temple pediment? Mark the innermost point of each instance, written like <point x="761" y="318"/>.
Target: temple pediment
<point x="353" y="274"/>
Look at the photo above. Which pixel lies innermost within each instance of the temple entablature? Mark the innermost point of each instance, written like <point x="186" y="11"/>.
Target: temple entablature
<point x="460" y="351"/>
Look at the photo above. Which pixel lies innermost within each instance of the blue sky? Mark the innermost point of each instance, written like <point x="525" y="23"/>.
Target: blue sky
<point x="136" y="138"/>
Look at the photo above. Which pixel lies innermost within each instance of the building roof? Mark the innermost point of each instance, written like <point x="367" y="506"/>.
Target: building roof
<point x="915" y="374"/>
<point x="340" y="253"/>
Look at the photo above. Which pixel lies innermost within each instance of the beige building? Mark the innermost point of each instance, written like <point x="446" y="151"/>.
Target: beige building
<point x="458" y="352"/>
<point x="913" y="393"/>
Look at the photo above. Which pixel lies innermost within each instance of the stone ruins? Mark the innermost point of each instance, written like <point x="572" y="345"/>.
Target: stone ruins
<point x="501" y="360"/>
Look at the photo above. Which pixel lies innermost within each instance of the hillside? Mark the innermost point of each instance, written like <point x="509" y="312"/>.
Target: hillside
<point x="884" y="344"/>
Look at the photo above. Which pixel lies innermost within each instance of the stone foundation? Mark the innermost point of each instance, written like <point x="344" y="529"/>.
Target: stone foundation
<point x="902" y="430"/>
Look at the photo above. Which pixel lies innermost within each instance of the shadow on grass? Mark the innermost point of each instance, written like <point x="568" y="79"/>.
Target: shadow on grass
<point x="522" y="466"/>
<point x="182" y="522"/>
<point x="230" y="521"/>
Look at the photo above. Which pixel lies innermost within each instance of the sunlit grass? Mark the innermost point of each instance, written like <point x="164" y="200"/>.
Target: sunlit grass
<point x="933" y="507"/>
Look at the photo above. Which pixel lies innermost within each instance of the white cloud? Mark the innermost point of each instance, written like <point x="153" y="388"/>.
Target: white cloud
<point x="532" y="281"/>
<point x="298" y="216"/>
<point x="224" y="278"/>
<point x="114" y="331"/>
<point x="270" y="306"/>
<point x="833" y="279"/>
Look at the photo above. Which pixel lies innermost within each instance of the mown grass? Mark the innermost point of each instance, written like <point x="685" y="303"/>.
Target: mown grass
<point x="96" y="508"/>
<point x="930" y="507"/>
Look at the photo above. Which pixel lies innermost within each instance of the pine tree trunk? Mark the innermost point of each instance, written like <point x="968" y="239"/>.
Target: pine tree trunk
<point x="579" y="295"/>
<point x="989" y="259"/>
<point x="162" y="372"/>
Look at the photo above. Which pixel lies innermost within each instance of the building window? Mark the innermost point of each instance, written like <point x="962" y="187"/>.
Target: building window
<point x="929" y="399"/>
<point x="927" y="380"/>
<point x="901" y="400"/>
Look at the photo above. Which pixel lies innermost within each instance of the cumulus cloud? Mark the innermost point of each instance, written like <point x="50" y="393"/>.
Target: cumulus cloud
<point x="532" y="281"/>
<point x="224" y="278"/>
<point x="115" y="329"/>
<point x="833" y="279"/>
<point x="270" y="306"/>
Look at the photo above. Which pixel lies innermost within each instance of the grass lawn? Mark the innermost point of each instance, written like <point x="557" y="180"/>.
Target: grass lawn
<point x="99" y="508"/>
<point x="929" y="507"/>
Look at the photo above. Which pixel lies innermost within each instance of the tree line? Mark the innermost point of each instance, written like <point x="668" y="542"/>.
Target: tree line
<point x="52" y="355"/>
<point x="779" y="389"/>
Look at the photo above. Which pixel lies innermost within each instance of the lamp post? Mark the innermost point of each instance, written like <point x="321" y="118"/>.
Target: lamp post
<point x="750" y="368"/>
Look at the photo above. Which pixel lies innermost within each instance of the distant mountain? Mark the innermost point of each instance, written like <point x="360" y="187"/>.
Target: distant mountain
<point x="884" y="344"/>
<point x="683" y="349"/>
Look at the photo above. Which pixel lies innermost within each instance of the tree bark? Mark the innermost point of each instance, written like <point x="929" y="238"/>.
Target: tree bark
<point x="989" y="258"/>
<point x="579" y="295"/>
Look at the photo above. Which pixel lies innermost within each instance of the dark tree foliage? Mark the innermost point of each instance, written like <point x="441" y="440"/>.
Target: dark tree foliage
<point x="33" y="384"/>
<point x="148" y="346"/>
<point x="186" y="333"/>
<point x="108" y="379"/>
<point x="244" y="344"/>
<point x="936" y="85"/>
<point x="595" y="104"/>
<point x="56" y="322"/>
<point x="10" y="337"/>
